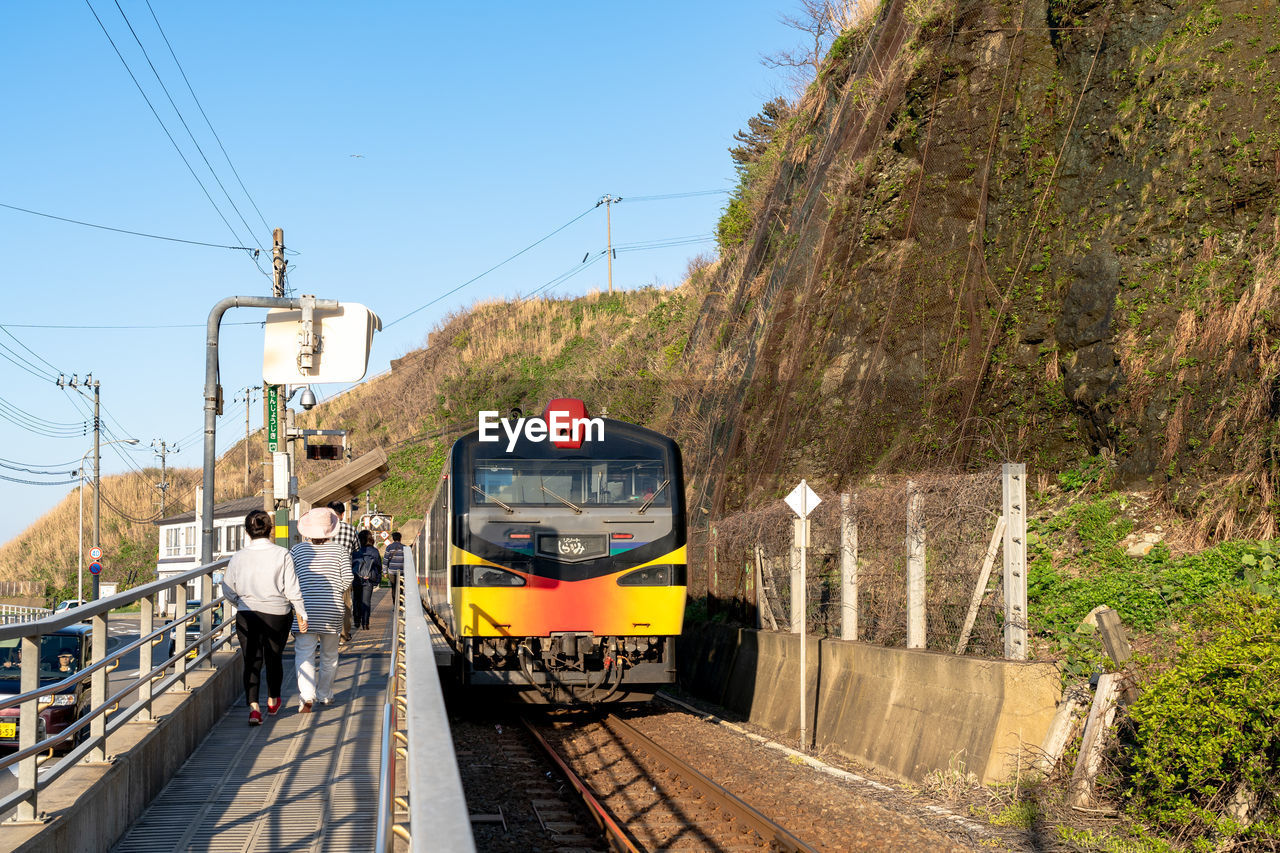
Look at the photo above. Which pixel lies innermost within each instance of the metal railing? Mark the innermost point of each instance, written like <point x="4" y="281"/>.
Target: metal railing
<point x="86" y="735"/>
<point x="11" y="613"/>
<point x="434" y="803"/>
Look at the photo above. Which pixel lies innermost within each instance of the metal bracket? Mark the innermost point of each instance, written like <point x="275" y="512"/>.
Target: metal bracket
<point x="309" y="343"/>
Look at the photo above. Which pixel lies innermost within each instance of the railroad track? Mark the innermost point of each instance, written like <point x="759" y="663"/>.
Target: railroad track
<point x="646" y="798"/>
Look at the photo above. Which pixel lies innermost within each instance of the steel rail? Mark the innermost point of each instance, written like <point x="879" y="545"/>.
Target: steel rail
<point x="713" y="791"/>
<point x="618" y="837"/>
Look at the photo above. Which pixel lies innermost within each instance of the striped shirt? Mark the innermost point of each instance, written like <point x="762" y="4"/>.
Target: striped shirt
<point x="324" y="573"/>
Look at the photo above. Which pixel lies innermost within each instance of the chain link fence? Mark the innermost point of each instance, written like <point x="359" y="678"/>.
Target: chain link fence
<point x="744" y="563"/>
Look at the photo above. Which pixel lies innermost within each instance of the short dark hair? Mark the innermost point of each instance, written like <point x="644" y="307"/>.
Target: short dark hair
<point x="258" y="524"/>
<point x="339" y="507"/>
<point x="396" y="536"/>
<point x="363" y="536"/>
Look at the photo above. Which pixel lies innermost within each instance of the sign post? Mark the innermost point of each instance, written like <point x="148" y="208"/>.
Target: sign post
<point x="273" y="418"/>
<point x="802" y="500"/>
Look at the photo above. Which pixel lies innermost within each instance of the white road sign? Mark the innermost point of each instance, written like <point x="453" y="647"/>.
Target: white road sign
<point x="803" y="500"/>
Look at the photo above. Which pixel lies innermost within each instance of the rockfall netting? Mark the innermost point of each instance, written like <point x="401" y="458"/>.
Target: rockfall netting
<point x="957" y="515"/>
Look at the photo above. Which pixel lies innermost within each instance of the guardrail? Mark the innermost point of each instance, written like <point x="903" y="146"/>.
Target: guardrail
<point x="11" y="613"/>
<point x="101" y="714"/>
<point x="436" y="808"/>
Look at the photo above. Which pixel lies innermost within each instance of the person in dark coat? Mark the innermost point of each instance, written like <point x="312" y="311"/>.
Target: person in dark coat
<point x="366" y="567"/>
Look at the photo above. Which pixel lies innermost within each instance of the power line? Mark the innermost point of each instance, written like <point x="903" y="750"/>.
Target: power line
<point x="12" y="462"/>
<point x="30" y="350"/>
<point x="122" y="328"/>
<point x="35" y="470"/>
<point x="172" y="141"/>
<point x="126" y="230"/>
<point x="22" y="364"/>
<point x="206" y="117"/>
<point x="185" y="127"/>
<point x="37" y="483"/>
<point x="567" y="274"/>
<point x="490" y="269"/>
<point x="674" y="195"/>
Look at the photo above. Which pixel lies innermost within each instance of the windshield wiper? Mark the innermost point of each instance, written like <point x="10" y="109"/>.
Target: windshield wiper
<point x="653" y="497"/>
<point x="570" y="504"/>
<point x="488" y="496"/>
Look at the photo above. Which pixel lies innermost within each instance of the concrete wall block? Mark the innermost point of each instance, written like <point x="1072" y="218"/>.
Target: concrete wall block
<point x="904" y="712"/>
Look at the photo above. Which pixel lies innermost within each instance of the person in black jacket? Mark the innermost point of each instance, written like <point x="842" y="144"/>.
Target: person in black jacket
<point x="366" y="567"/>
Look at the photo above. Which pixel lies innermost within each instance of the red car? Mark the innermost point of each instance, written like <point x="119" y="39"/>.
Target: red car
<point x="62" y="654"/>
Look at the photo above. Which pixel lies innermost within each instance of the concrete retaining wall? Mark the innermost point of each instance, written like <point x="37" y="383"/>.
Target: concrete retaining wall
<point x="903" y="712"/>
<point x="91" y="806"/>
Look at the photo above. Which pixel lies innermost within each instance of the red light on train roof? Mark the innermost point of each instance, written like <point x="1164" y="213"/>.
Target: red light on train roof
<point x="623" y="536"/>
<point x="519" y="536"/>
<point x="567" y="411"/>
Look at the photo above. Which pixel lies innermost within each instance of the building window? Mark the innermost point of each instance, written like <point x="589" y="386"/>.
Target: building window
<point x="189" y="545"/>
<point x="172" y="542"/>
<point x="235" y="538"/>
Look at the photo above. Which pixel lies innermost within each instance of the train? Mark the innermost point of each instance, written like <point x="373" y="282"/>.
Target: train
<point x="553" y="558"/>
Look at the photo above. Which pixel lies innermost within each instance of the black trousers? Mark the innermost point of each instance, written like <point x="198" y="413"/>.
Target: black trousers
<point x="262" y="638"/>
<point x="362" y="601"/>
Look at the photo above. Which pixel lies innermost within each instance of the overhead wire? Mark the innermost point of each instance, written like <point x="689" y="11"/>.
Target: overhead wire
<point x="126" y="230"/>
<point x="124" y="328"/>
<point x="163" y="127"/>
<point x="185" y="126"/>
<point x="22" y="364"/>
<point x="490" y="269"/>
<point x="37" y="482"/>
<point x="667" y="196"/>
<point x="200" y="106"/>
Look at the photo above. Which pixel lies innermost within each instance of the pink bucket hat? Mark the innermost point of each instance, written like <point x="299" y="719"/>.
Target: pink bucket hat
<point x="319" y="523"/>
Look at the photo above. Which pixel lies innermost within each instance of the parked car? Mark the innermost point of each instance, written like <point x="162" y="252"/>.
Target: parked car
<point x="192" y="632"/>
<point x="62" y="653"/>
<point x="67" y="604"/>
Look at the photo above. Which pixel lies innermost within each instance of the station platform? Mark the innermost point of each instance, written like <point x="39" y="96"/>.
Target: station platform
<point x="298" y="782"/>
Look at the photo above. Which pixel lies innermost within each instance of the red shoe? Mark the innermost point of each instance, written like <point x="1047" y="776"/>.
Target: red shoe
<point x="255" y="718"/>
<point x="273" y="706"/>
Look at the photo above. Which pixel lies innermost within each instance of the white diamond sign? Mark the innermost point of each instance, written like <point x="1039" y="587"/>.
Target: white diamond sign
<point x="803" y="500"/>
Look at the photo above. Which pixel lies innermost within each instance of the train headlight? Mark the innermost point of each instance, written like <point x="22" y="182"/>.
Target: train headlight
<point x="492" y="576"/>
<point x="648" y="576"/>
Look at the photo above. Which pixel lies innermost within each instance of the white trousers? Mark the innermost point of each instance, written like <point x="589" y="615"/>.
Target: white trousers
<point x="313" y="687"/>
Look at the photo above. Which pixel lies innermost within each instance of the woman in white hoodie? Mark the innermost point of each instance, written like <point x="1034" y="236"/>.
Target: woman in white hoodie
<point x="263" y="585"/>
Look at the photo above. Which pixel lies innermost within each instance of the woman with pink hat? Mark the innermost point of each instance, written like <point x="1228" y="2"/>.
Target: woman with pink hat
<point x="324" y="574"/>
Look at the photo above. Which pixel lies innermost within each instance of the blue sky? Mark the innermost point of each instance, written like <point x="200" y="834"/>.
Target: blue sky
<point x="480" y="128"/>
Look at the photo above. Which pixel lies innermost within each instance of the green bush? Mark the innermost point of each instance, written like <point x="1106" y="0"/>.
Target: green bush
<point x="1209" y="728"/>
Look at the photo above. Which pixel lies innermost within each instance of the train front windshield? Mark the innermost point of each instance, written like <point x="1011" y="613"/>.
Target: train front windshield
<point x="583" y="482"/>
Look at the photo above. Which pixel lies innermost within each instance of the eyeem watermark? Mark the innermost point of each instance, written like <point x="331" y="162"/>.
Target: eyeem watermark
<point x="560" y="427"/>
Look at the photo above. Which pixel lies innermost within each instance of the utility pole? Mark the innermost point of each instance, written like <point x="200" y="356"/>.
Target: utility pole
<point x="269" y="399"/>
<point x="281" y="516"/>
<point x="90" y="382"/>
<point x="608" y="201"/>
<point x="247" y="394"/>
<point x="163" y="485"/>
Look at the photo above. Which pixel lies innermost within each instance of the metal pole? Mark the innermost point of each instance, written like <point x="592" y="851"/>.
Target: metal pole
<point x="211" y="402"/>
<point x="1013" y="477"/>
<point x="608" y="230"/>
<point x="803" y="528"/>
<point x="80" y="558"/>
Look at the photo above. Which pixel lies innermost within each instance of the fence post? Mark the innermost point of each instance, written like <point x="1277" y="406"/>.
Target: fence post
<point x="915" y="571"/>
<point x="713" y="585"/>
<point x="797" y="591"/>
<point x="98" y="690"/>
<point x="980" y="588"/>
<point x="764" y="614"/>
<point x="848" y="568"/>
<point x="146" y="654"/>
<point x="1013" y="476"/>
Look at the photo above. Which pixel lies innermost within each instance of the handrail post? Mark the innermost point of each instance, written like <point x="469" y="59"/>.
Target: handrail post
<point x="27" y="715"/>
<point x="98" y="690"/>
<point x="145" y="660"/>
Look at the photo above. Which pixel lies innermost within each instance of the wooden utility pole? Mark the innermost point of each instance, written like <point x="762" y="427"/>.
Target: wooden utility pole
<point x="278" y="266"/>
<point x="608" y="201"/>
